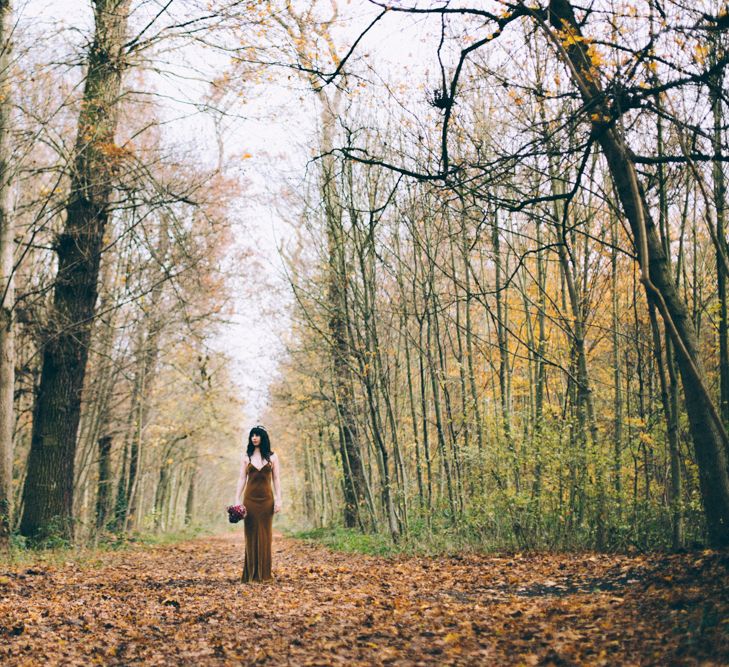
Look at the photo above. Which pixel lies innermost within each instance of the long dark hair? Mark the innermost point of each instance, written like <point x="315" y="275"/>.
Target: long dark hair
<point x="265" y="442"/>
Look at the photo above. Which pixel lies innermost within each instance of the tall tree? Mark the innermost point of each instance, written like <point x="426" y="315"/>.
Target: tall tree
<point x="301" y="28"/>
<point x="48" y="491"/>
<point x="7" y="343"/>
<point x="716" y="86"/>
<point x="708" y="433"/>
<point x="103" y="494"/>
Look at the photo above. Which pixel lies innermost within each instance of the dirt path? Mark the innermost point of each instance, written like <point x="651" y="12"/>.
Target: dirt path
<point x="183" y="605"/>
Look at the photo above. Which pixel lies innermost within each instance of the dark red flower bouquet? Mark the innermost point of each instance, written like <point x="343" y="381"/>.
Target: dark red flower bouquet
<point x="236" y="513"/>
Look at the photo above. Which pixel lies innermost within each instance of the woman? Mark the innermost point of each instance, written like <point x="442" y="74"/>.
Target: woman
<point x="259" y="469"/>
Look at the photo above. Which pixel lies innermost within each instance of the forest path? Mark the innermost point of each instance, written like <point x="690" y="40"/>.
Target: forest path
<point x="183" y="604"/>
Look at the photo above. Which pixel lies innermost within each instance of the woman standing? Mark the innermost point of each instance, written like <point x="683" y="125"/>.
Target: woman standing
<point x="260" y="485"/>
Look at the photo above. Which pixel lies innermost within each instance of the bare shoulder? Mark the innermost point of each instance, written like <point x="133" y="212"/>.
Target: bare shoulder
<point x="274" y="457"/>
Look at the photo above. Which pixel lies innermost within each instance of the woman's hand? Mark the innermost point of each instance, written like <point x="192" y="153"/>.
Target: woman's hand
<point x="276" y="507"/>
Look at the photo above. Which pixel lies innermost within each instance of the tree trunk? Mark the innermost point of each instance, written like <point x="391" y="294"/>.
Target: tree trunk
<point x="7" y="341"/>
<point x="674" y="490"/>
<point x="540" y="373"/>
<point x="424" y="411"/>
<point x="309" y="482"/>
<point x="190" y="497"/>
<point x="435" y="387"/>
<point x="120" y="504"/>
<point x="160" y="496"/>
<point x="338" y="327"/>
<point x="666" y="368"/>
<point x="48" y="492"/>
<point x="146" y="372"/>
<point x="411" y="405"/>
<point x="463" y="449"/>
<point x="103" y="494"/>
<point x="370" y="366"/>
<point x="715" y="93"/>
<point x="503" y="345"/>
<point x="617" y="380"/>
<point x="422" y="384"/>
<point x="475" y="407"/>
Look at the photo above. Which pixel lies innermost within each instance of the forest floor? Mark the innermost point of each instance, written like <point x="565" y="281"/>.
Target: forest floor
<point x="184" y="605"/>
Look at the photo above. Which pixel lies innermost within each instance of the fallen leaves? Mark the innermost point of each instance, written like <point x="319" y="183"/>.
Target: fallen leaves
<point x="185" y="605"/>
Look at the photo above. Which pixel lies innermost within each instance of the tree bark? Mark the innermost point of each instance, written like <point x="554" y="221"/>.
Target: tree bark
<point x="147" y="371"/>
<point x="503" y="345"/>
<point x="338" y="328"/>
<point x="190" y="497"/>
<point x="7" y="340"/>
<point x="617" y="379"/>
<point x="715" y="95"/>
<point x="474" y="399"/>
<point x="666" y="367"/>
<point x="540" y="373"/>
<point x="103" y="495"/>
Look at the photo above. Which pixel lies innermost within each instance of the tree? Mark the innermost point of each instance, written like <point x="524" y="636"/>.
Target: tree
<point x="48" y="492"/>
<point x="565" y="34"/>
<point x="564" y="147"/>
<point x="7" y="294"/>
<point x="707" y="430"/>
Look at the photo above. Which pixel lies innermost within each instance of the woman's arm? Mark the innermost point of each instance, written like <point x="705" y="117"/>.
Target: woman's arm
<point x="276" y="483"/>
<point x="242" y="479"/>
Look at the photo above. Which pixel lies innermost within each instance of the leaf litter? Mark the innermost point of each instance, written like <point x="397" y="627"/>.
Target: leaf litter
<point x="184" y="604"/>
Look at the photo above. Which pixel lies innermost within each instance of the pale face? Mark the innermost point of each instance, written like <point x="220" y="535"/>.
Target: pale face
<point x="256" y="440"/>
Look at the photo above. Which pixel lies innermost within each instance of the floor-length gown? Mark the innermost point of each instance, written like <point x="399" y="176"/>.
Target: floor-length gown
<point x="258" y="500"/>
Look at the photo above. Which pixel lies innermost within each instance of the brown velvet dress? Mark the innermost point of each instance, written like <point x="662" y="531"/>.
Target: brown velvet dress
<point x="258" y="500"/>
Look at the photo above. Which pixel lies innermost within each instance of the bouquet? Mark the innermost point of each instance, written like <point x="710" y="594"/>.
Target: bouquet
<point x="236" y="513"/>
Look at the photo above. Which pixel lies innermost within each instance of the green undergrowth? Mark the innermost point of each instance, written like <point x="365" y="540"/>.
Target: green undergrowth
<point x="439" y="538"/>
<point x="421" y="543"/>
<point x="348" y="540"/>
<point x="94" y="553"/>
<point x="378" y="544"/>
<point x="514" y="524"/>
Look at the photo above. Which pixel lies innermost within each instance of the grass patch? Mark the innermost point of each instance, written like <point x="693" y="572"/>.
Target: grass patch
<point x="437" y="537"/>
<point x="91" y="555"/>
<point x="170" y="537"/>
<point x="348" y="540"/>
